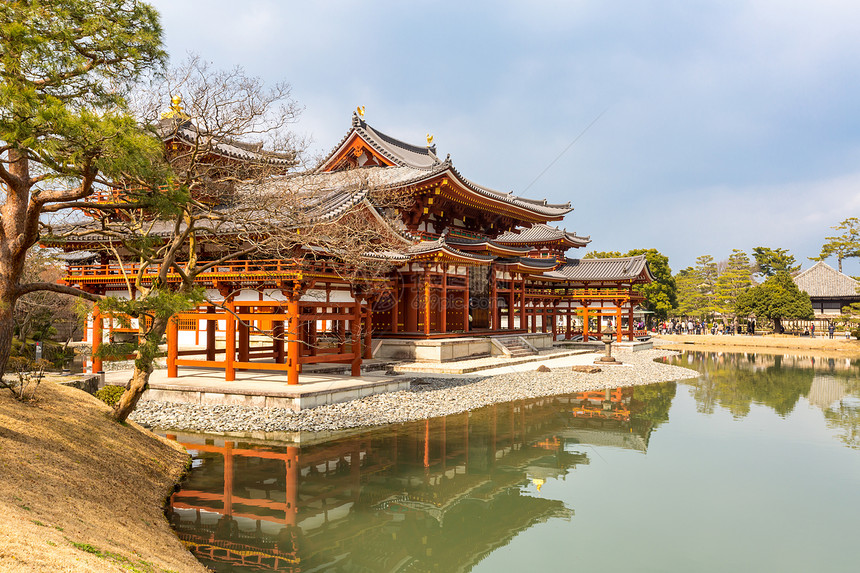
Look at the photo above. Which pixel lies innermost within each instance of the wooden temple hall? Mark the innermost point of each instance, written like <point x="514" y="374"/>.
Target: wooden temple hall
<point x="472" y="263"/>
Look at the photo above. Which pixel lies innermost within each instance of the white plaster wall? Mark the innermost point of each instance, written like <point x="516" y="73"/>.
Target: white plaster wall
<point x="213" y="294"/>
<point x="273" y="294"/>
<point x="246" y="295"/>
<point x="318" y="295"/>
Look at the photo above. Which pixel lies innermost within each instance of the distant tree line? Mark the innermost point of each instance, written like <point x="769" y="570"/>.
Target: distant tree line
<point x="740" y="287"/>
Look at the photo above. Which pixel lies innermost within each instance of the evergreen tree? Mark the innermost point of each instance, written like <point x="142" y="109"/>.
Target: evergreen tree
<point x="733" y="281"/>
<point x="772" y="261"/>
<point x="65" y="69"/>
<point x="707" y="272"/>
<point x="689" y="296"/>
<point x="778" y="298"/>
<point x="843" y="246"/>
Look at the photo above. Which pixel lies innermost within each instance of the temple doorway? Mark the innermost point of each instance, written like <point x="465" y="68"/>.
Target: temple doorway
<point x="479" y="297"/>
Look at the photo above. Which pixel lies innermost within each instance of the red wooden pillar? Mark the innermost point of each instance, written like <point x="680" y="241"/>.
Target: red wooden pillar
<point x="368" y="325"/>
<point x="410" y="318"/>
<point x="293" y="340"/>
<point x="494" y="299"/>
<point x="443" y="300"/>
<point x="567" y="324"/>
<point x="278" y="340"/>
<point x="230" y="343"/>
<point x="619" y="335"/>
<point x="97" y="339"/>
<point x="172" y="346"/>
<point x="544" y="327"/>
<point x="211" y="326"/>
<point x="356" y="337"/>
<point x="630" y="316"/>
<point x="584" y="322"/>
<point x="426" y="300"/>
<point x="523" y="302"/>
<point x="395" y="311"/>
<point x="511" y="304"/>
<point x="244" y="337"/>
<point x="466" y="309"/>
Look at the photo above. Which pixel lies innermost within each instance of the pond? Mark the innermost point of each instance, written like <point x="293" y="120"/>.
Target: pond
<point x="752" y="466"/>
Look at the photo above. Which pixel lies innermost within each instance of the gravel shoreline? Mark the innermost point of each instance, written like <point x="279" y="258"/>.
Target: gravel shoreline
<point x="429" y="397"/>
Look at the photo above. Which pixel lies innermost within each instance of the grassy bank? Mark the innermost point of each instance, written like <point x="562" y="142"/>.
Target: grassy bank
<point x="79" y="492"/>
<point x="774" y="343"/>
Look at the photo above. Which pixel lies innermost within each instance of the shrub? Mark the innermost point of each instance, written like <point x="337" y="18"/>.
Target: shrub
<point x="856" y="333"/>
<point x="110" y="394"/>
<point x="28" y="376"/>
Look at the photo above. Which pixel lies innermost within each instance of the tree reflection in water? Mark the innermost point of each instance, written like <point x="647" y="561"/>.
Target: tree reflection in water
<point x="735" y="381"/>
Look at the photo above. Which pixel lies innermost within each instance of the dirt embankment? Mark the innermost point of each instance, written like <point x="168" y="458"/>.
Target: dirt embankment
<point x="773" y="344"/>
<point x="79" y="492"/>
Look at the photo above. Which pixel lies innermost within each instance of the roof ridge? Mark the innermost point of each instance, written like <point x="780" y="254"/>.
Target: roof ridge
<point x="399" y="142"/>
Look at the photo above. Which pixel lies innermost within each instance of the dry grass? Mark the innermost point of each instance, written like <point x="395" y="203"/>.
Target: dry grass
<point x="79" y="492"/>
<point x="774" y="344"/>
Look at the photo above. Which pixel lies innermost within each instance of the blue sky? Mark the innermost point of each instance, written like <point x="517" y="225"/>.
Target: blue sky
<point x="722" y="124"/>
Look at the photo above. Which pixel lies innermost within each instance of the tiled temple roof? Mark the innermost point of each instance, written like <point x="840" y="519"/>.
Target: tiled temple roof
<point x="823" y="281"/>
<point x="399" y="152"/>
<point x="186" y="132"/>
<point x="541" y="233"/>
<point x="468" y="243"/>
<point x="425" y="165"/>
<point x="531" y="263"/>
<point x="624" y="268"/>
<point x="441" y="246"/>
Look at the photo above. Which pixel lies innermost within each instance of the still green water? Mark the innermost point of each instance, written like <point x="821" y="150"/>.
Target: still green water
<point x="752" y="466"/>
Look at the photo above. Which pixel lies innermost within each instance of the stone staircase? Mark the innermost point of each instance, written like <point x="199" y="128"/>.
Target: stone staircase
<point x="515" y="346"/>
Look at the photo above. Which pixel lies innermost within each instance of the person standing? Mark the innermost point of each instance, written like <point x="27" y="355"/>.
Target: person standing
<point x="831" y="328"/>
<point x="812" y="330"/>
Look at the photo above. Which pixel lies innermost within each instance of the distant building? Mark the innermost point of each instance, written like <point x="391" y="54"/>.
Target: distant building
<point x="828" y="289"/>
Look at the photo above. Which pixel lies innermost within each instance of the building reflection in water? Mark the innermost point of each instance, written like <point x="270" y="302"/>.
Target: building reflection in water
<point x="436" y="495"/>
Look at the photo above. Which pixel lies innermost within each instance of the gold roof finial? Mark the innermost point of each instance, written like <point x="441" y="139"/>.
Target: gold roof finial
<point x="175" y="110"/>
<point x="360" y="110"/>
<point x="429" y="139"/>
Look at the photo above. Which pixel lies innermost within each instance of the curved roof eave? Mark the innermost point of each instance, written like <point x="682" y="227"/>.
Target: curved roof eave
<point x="432" y="166"/>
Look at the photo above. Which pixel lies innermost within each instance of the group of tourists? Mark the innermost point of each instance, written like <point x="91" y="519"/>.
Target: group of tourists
<point x="696" y="326"/>
<point x="693" y="326"/>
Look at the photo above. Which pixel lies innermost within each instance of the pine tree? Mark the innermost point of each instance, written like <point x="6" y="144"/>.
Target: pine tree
<point x="844" y="246"/>
<point x="733" y="281"/>
<point x="65" y="69"/>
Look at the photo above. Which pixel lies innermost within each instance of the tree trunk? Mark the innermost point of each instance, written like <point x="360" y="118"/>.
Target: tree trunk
<point x="7" y="327"/>
<point x="135" y="389"/>
<point x="140" y="379"/>
<point x="777" y="325"/>
<point x="8" y="300"/>
<point x="13" y="246"/>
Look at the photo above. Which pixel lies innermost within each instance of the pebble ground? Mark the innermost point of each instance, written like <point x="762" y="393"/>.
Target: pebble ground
<point x="428" y="397"/>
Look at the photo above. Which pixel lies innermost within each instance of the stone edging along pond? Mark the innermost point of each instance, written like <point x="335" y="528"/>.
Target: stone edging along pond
<point x="429" y="397"/>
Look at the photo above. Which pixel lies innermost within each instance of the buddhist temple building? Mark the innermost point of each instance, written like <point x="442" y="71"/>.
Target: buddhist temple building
<point x="469" y="262"/>
<point x="828" y="289"/>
